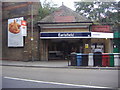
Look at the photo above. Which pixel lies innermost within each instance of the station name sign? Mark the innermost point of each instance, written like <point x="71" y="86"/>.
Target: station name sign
<point x="64" y="35"/>
<point x="101" y="35"/>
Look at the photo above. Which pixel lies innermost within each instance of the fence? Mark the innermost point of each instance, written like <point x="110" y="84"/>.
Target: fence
<point x="95" y="59"/>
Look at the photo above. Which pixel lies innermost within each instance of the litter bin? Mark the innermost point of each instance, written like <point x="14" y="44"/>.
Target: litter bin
<point x="73" y="60"/>
<point x="79" y="59"/>
<point x="105" y="60"/>
<point x="97" y="57"/>
<point x="111" y="60"/>
<point x="90" y="60"/>
<point x="84" y="59"/>
<point x="116" y="59"/>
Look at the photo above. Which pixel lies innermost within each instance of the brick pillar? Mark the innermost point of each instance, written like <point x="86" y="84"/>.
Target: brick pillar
<point x="43" y="50"/>
<point x="108" y="46"/>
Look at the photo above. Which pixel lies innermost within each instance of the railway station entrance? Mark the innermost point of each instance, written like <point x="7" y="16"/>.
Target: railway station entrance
<point x="62" y="48"/>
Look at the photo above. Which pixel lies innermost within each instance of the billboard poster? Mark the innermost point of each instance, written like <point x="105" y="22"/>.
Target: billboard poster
<point x="24" y="28"/>
<point x="15" y="37"/>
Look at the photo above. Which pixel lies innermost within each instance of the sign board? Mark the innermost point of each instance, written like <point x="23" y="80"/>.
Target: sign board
<point x="24" y="28"/>
<point x="15" y="37"/>
<point x="101" y="35"/>
<point x="86" y="46"/>
<point x="101" y="28"/>
<point x="50" y="35"/>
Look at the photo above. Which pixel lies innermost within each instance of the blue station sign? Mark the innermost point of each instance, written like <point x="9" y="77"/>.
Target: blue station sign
<point x="50" y="35"/>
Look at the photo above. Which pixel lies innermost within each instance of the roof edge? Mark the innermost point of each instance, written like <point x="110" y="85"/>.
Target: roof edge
<point x="63" y="22"/>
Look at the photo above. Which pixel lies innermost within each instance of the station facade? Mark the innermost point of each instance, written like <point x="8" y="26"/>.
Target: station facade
<point x="64" y="32"/>
<point x="54" y="37"/>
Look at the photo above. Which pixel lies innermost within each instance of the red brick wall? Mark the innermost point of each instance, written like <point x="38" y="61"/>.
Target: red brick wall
<point x="15" y="10"/>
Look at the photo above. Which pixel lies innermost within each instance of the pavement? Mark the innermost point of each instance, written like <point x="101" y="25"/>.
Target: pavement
<point x="50" y="64"/>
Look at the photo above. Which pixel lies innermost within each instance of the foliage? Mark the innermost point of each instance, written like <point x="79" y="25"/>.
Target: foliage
<point x="99" y="11"/>
<point x="46" y="10"/>
<point x="43" y="12"/>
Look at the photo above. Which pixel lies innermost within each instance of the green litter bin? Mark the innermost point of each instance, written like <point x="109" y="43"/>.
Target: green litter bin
<point x="111" y="60"/>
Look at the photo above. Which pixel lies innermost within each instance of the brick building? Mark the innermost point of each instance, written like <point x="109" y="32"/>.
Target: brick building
<point x="29" y="11"/>
<point x="65" y="31"/>
<point x="54" y="37"/>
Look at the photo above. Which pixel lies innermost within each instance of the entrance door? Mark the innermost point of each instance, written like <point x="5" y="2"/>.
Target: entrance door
<point x="60" y="49"/>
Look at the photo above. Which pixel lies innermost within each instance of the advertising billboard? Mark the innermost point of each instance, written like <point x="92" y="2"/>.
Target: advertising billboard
<point x="24" y="28"/>
<point x="15" y="37"/>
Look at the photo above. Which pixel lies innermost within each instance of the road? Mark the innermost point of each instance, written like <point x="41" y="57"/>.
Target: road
<point x="25" y="83"/>
<point x="58" y="77"/>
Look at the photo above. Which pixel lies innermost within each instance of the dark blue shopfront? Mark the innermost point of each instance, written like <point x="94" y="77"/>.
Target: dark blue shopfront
<point x="61" y="44"/>
<point x="50" y="35"/>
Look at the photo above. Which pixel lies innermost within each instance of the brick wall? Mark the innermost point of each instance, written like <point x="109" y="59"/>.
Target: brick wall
<point x="14" y="10"/>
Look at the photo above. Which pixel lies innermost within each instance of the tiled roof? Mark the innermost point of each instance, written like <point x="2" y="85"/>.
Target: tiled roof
<point x="64" y="19"/>
<point x="64" y="14"/>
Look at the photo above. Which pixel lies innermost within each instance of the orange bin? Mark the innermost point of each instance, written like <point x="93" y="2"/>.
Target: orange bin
<point x="105" y="59"/>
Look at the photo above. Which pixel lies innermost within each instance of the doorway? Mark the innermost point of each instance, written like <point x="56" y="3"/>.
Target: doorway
<point x="60" y="49"/>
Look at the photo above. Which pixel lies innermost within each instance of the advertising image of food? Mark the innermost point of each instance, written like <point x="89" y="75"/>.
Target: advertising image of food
<point x="15" y="36"/>
<point x="14" y="27"/>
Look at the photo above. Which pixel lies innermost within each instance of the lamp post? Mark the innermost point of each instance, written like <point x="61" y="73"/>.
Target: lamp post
<point x="32" y="32"/>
